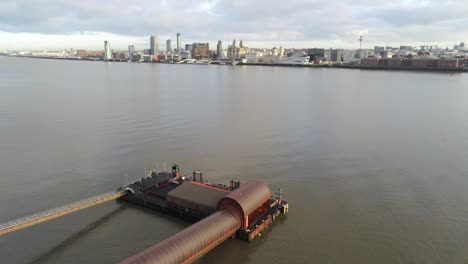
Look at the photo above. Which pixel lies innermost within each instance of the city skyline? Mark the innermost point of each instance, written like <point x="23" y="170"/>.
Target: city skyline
<point x="299" y="24"/>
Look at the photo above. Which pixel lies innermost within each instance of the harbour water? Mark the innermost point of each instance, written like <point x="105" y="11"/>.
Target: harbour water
<point x="372" y="163"/>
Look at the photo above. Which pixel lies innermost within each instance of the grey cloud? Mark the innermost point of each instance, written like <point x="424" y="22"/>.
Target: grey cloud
<point x="293" y="20"/>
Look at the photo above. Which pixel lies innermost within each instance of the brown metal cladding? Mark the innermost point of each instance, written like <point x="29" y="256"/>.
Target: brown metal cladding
<point x="192" y="242"/>
<point x="249" y="196"/>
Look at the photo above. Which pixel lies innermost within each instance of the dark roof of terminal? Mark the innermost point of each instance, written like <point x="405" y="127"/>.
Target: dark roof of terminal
<point x="198" y="193"/>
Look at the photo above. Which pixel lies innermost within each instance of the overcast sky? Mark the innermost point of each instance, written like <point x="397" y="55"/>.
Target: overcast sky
<point x="53" y="24"/>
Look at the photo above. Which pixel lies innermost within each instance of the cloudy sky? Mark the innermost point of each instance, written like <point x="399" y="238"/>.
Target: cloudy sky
<point x="53" y="24"/>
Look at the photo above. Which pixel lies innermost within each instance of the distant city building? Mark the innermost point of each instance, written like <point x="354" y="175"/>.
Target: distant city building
<point x="281" y="51"/>
<point x="349" y="56"/>
<point x="116" y="55"/>
<point x="81" y="53"/>
<point x="461" y="46"/>
<point x="334" y="56"/>
<point x="219" y="49"/>
<point x="179" y="43"/>
<point x="89" y="54"/>
<point x="253" y="56"/>
<point x="378" y="50"/>
<point x="406" y="48"/>
<point x="154" y="45"/>
<point x="436" y="63"/>
<point x="275" y="51"/>
<point x="362" y="53"/>
<point x="388" y="54"/>
<point x="107" y="51"/>
<point x="185" y="54"/>
<point x="147" y="51"/>
<point x="188" y="47"/>
<point x="201" y="51"/>
<point x="168" y="45"/>
<point x="235" y="52"/>
<point x="316" y="55"/>
<point x="131" y="51"/>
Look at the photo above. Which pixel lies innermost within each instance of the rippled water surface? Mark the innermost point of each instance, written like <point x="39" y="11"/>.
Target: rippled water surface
<point x="373" y="163"/>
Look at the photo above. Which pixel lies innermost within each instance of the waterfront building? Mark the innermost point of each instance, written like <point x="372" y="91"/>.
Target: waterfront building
<point x="176" y="57"/>
<point x="188" y="47"/>
<point x="461" y="46"/>
<point x="316" y="55"/>
<point x="270" y="58"/>
<point x="168" y="45"/>
<point x="406" y="48"/>
<point x="275" y="51"/>
<point x="89" y="54"/>
<point x="253" y="56"/>
<point x="200" y="51"/>
<point x="123" y="56"/>
<point x="107" y="51"/>
<point x="379" y="50"/>
<point x="179" y="43"/>
<point x="146" y="58"/>
<point x="165" y="57"/>
<point x="349" y="56"/>
<point x="388" y="54"/>
<point x="116" y="56"/>
<point x="131" y="51"/>
<point x="333" y="55"/>
<point x="154" y="45"/>
<point x="185" y="54"/>
<point x="281" y="51"/>
<point x="81" y="53"/>
<point x="235" y="52"/>
<point x="219" y="49"/>
<point x="435" y="63"/>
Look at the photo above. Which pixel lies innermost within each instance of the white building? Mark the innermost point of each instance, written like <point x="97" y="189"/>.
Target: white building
<point x="185" y="54"/>
<point x="179" y="43"/>
<point x="349" y="56"/>
<point x="271" y="59"/>
<point x="253" y="56"/>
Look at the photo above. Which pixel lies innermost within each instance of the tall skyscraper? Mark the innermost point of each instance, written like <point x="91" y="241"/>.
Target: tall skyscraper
<point x="168" y="45"/>
<point x="179" y="43"/>
<point x="131" y="50"/>
<point x="107" y="51"/>
<point x="154" y="45"/>
<point x="219" y="49"/>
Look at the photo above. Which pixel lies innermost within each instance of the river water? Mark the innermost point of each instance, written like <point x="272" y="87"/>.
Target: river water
<point x="373" y="163"/>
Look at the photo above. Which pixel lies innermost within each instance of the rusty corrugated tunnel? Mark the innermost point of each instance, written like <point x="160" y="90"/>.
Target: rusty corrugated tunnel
<point x="199" y="238"/>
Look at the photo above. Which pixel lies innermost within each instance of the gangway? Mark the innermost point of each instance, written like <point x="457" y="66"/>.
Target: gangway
<point x="49" y="214"/>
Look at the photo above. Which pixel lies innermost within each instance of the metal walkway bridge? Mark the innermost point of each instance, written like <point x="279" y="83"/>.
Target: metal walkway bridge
<point x="49" y="214"/>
